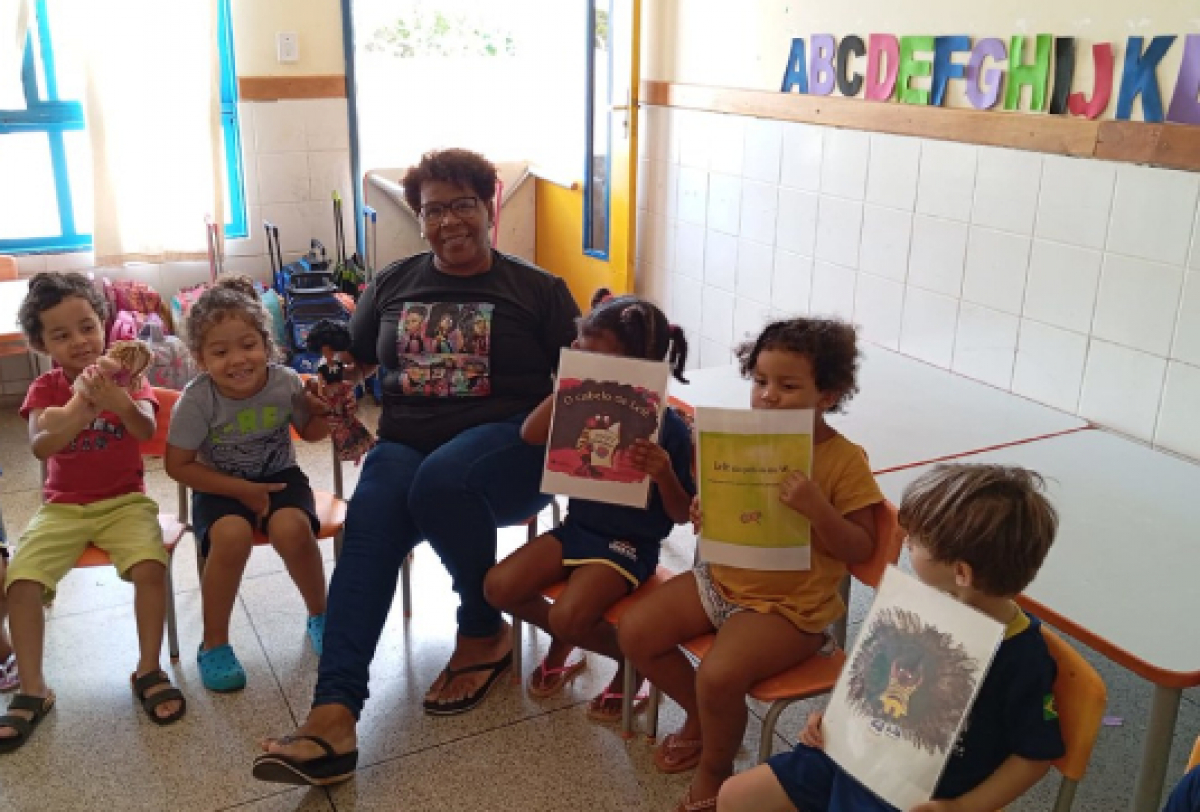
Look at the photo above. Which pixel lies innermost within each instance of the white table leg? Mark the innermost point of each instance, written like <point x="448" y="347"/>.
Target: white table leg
<point x="1156" y="750"/>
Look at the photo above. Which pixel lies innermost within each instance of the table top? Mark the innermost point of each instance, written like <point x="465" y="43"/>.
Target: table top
<point x="1121" y="576"/>
<point x="12" y="293"/>
<point x="906" y="412"/>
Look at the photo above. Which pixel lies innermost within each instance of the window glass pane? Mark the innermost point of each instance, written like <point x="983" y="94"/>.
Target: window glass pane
<point x="597" y="168"/>
<point x="79" y="169"/>
<point x="25" y="165"/>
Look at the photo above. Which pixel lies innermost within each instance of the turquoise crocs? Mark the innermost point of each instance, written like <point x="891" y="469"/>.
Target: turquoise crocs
<point x="316" y="633"/>
<point x="220" y="669"/>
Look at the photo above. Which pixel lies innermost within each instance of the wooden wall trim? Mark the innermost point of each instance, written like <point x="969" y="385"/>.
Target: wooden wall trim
<point x="274" y="88"/>
<point x="1174" y="146"/>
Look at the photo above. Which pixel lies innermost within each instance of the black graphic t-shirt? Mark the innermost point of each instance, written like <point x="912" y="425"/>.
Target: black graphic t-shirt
<point x="457" y="352"/>
<point x="1014" y="714"/>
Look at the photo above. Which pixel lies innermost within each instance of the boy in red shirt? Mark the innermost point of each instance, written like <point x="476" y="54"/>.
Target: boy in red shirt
<point x="94" y="491"/>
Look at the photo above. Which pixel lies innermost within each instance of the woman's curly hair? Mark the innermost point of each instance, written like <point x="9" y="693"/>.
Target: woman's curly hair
<point x="460" y="167"/>
<point x="830" y="345"/>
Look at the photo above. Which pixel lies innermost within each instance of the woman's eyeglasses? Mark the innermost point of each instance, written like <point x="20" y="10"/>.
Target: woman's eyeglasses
<point x="464" y="208"/>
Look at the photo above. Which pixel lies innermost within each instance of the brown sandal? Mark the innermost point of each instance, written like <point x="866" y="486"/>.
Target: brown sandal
<point x="676" y="755"/>
<point x="686" y="804"/>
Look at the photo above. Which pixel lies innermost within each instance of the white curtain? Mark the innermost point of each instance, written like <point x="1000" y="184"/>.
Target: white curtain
<point x="152" y="110"/>
<point x="14" y="23"/>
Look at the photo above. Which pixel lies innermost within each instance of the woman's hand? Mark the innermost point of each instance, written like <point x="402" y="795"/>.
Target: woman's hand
<point x="812" y="736"/>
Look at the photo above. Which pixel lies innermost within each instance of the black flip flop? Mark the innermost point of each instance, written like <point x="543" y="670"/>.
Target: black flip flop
<point x="150" y="703"/>
<point x="497" y="668"/>
<point x="39" y="706"/>
<point x="321" y="771"/>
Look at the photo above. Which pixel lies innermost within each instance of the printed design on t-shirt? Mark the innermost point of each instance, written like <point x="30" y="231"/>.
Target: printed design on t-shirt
<point x="444" y="349"/>
<point x="97" y="436"/>
<point x="254" y="444"/>
<point x="1049" y="709"/>
<point x="912" y="681"/>
<point x="595" y="426"/>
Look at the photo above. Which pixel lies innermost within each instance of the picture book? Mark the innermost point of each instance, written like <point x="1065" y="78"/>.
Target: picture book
<point x="912" y="676"/>
<point x="603" y="404"/>
<point x="743" y="456"/>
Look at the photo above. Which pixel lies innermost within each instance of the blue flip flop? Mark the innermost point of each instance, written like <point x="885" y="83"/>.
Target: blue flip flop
<point x="220" y="669"/>
<point x="316" y="633"/>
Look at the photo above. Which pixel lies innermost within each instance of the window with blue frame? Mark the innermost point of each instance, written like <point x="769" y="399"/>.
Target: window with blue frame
<point x="45" y="162"/>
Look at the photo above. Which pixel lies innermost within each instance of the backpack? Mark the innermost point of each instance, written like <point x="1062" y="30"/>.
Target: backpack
<point x="172" y="366"/>
<point x="129" y="323"/>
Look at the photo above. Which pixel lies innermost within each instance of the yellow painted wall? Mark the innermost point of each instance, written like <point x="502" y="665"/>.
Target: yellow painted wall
<point x="317" y="22"/>
<point x="560" y="245"/>
<point x="714" y="42"/>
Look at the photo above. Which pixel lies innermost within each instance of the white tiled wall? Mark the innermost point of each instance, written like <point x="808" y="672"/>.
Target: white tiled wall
<point x="294" y="154"/>
<point x="1072" y="282"/>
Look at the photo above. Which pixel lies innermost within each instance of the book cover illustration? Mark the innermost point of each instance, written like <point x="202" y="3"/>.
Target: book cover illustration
<point x="906" y="690"/>
<point x="602" y="405"/>
<point x="744" y="455"/>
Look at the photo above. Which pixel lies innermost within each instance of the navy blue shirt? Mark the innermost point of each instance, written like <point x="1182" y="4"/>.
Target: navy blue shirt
<point x="1014" y="714"/>
<point x="642" y="525"/>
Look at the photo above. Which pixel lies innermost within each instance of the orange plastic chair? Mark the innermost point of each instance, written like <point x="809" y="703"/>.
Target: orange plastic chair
<point x="1080" y="697"/>
<point x="8" y="268"/>
<point x="817" y="675"/>
<point x="1194" y="761"/>
<point x="613" y="616"/>
<point x="173" y="527"/>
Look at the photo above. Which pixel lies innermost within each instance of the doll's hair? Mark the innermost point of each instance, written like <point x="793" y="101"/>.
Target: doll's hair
<point x="328" y="333"/>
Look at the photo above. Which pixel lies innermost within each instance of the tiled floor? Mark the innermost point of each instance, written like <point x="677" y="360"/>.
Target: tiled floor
<point x="97" y="750"/>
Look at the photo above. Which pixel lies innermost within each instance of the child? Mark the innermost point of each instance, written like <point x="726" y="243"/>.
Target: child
<point x="94" y="491"/>
<point x="979" y="533"/>
<point x="766" y="622"/>
<point x="229" y="442"/>
<point x="605" y="551"/>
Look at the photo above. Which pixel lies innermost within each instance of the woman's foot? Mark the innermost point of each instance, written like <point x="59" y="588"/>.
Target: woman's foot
<point x="487" y="657"/>
<point x="331" y="723"/>
<point x="323" y="751"/>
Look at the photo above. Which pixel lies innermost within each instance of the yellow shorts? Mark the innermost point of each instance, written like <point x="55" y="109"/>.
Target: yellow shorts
<point x="126" y="527"/>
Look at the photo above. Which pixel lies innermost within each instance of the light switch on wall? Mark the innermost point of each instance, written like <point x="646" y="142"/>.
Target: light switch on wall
<point x="287" y="46"/>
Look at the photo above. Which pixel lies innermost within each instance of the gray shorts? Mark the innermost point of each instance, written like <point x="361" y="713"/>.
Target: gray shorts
<point x="719" y="608"/>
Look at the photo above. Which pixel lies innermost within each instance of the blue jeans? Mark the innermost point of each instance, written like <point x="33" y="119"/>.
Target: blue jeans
<point x="1186" y="796"/>
<point x="455" y="497"/>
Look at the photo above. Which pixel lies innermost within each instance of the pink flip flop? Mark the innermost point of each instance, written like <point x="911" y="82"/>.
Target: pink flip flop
<point x="676" y="755"/>
<point x="603" y="709"/>
<point x="546" y="682"/>
<point x="9" y="678"/>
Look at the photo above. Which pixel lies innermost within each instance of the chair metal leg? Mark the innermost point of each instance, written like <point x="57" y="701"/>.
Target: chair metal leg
<point x="517" y="649"/>
<point x="652" y="714"/>
<point x="1066" y="795"/>
<point x="767" y="742"/>
<point x="172" y="625"/>
<point x="627" y="699"/>
<point x="839" y="626"/>
<point x="406" y="584"/>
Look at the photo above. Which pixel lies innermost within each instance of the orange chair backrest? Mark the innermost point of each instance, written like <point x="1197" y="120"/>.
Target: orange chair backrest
<point x="1080" y="696"/>
<point x="1194" y="761"/>
<point x="888" y="540"/>
<point x="156" y="446"/>
<point x="8" y="268"/>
